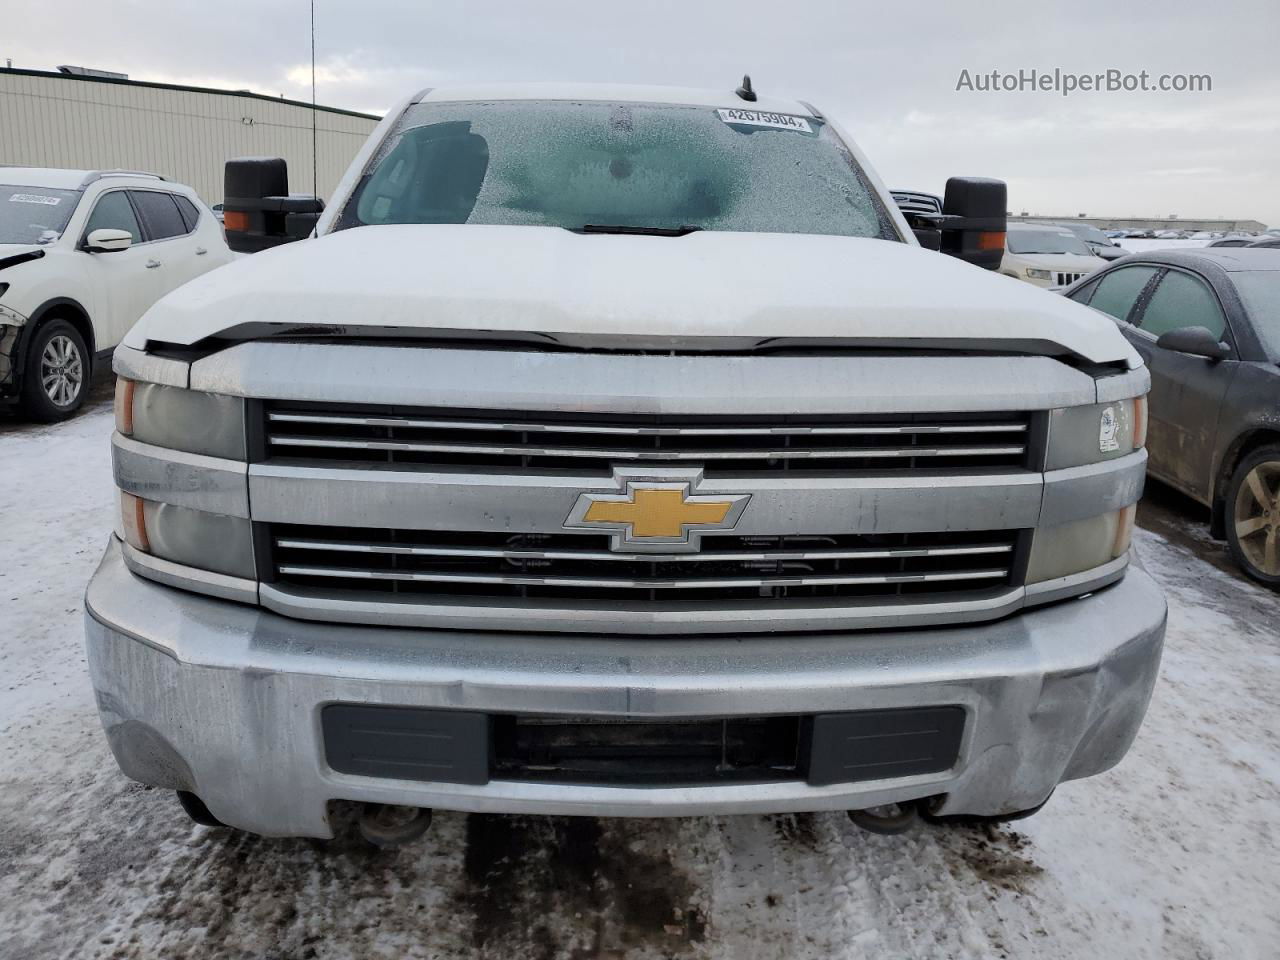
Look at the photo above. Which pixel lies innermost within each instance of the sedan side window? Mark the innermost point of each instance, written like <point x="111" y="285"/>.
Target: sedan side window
<point x="1119" y="290"/>
<point x="1181" y="300"/>
<point x="1082" y="294"/>
<point x="114" y="212"/>
<point x="159" y="214"/>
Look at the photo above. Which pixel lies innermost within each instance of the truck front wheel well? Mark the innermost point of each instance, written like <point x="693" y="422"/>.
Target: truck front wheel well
<point x="1240" y="448"/>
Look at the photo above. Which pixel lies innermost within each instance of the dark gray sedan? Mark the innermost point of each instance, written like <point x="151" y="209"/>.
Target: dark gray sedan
<point x="1207" y="322"/>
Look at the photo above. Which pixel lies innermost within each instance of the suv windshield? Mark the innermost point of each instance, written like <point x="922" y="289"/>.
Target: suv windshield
<point x="1046" y="241"/>
<point x="34" y="214"/>
<point x="1090" y="234"/>
<point x="657" y="166"/>
<point x="1260" y="291"/>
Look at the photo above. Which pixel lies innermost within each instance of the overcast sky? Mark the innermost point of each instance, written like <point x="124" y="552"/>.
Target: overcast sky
<point x="887" y="70"/>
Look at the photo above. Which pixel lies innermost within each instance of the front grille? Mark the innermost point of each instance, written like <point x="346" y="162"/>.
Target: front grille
<point x="436" y="566"/>
<point x="581" y="442"/>
<point x="460" y="746"/>
<point x="1063" y="279"/>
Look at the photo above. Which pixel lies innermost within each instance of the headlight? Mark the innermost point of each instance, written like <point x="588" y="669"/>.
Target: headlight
<point x="193" y="538"/>
<point x="1097" y="432"/>
<point x="1081" y="545"/>
<point x="187" y="420"/>
<point x="1035" y="274"/>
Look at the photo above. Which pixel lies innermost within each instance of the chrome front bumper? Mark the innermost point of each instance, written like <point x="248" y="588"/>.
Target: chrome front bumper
<point x="224" y="699"/>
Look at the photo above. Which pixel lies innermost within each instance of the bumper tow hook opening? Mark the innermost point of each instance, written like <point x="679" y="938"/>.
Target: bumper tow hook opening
<point x="888" y="819"/>
<point x="387" y="825"/>
<point x="197" y="811"/>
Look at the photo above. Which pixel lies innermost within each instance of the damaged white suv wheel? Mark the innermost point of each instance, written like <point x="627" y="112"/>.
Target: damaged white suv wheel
<point x="57" y="366"/>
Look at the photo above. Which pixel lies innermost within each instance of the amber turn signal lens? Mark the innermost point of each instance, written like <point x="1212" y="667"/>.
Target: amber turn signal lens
<point x="1139" y="422"/>
<point x="235" y="220"/>
<point x="1124" y="530"/>
<point x="989" y="240"/>
<point x="133" y="522"/>
<point x="124" y="406"/>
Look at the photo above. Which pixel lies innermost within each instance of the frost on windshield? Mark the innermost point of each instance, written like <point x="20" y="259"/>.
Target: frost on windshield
<point x="570" y="165"/>
<point x="34" y="214"/>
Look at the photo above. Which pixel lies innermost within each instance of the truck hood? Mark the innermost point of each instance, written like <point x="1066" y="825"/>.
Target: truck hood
<point x="706" y="290"/>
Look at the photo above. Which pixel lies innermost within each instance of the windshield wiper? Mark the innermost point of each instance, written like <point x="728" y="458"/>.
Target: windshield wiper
<point x="680" y="231"/>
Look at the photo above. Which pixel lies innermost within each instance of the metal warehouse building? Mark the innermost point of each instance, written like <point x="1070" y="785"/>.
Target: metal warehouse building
<point x="182" y="133"/>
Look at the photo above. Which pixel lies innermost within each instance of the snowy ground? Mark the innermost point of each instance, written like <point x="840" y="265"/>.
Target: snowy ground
<point x="1174" y="854"/>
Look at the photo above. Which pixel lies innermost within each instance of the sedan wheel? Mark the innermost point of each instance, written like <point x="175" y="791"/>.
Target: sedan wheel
<point x="1254" y="532"/>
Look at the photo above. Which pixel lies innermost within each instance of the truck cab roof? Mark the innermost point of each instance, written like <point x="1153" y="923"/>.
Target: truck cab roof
<point x="613" y="93"/>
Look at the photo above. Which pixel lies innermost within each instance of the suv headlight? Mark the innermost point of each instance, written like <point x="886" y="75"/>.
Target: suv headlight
<point x="1037" y="274"/>
<point x="193" y="538"/>
<point x="205" y="423"/>
<point x="1096" y="432"/>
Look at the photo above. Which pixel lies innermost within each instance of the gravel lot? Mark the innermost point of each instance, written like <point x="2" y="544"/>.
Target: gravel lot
<point x="1172" y="854"/>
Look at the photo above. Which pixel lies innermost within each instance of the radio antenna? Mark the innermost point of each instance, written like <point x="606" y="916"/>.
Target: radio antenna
<point x="315" y="165"/>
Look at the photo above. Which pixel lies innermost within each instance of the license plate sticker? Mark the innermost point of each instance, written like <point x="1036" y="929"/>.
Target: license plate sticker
<point x="35" y="198"/>
<point x="763" y="118"/>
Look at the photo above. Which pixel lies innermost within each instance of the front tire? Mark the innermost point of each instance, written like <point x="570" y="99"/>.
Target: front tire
<point x="56" y="375"/>
<point x="1253" y="515"/>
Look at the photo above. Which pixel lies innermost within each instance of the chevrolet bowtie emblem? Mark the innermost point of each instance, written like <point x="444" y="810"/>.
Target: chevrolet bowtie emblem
<point x="656" y="512"/>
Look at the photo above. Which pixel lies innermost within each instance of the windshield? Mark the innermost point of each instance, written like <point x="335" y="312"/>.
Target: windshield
<point x="1260" y="291"/>
<point x="1091" y="234"/>
<point x="34" y="214"/>
<point x="616" y="164"/>
<point x="1046" y="241"/>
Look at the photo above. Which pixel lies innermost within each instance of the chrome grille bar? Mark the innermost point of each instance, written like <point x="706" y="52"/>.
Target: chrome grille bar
<point x="606" y="430"/>
<point x="616" y="583"/>
<point x="727" y="556"/>
<point x="695" y="456"/>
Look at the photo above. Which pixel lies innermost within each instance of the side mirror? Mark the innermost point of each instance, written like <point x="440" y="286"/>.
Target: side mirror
<point x="1196" y="341"/>
<point x="107" y="240"/>
<point x="971" y="225"/>
<point x="974" y="220"/>
<point x="257" y="209"/>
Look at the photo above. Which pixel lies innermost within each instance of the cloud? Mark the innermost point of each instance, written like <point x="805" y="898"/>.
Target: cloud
<point x="887" y="71"/>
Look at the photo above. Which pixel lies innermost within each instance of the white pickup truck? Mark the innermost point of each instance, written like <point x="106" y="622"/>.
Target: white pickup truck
<point x="619" y="451"/>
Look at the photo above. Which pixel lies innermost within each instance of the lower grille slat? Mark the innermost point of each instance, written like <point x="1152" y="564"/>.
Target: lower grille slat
<point x="439" y="565"/>
<point x="618" y="583"/>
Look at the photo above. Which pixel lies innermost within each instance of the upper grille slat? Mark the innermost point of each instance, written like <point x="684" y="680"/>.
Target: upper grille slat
<point x="478" y="439"/>
<point x="482" y="450"/>
<point x="410" y="422"/>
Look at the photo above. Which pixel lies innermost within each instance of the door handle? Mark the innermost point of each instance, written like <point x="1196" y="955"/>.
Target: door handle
<point x="152" y="264"/>
<point x="201" y="251"/>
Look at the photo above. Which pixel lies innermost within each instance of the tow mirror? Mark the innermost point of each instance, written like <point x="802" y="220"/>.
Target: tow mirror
<point x="1196" y="341"/>
<point x="107" y="240"/>
<point x="971" y="225"/>
<point x="974" y="219"/>
<point x="257" y="209"/>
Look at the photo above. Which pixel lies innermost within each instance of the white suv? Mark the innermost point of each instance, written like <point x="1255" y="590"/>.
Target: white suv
<point x="83" y="254"/>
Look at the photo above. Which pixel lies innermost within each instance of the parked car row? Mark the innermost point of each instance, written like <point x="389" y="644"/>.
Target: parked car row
<point x="83" y="254"/>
